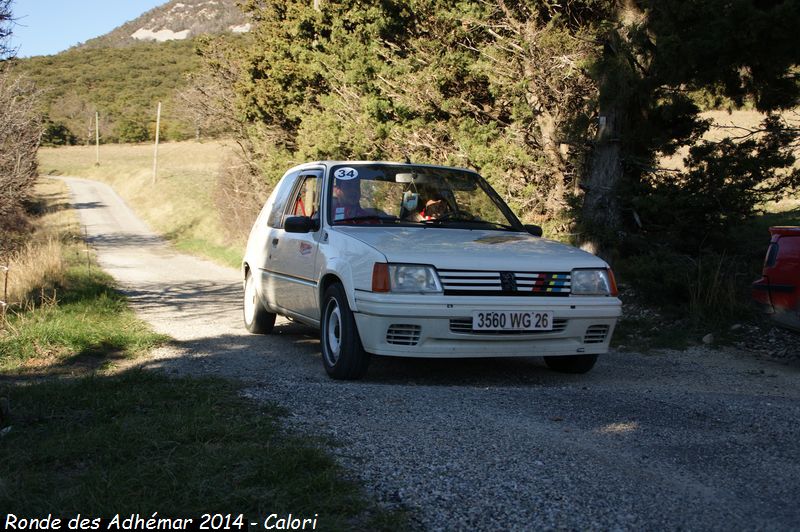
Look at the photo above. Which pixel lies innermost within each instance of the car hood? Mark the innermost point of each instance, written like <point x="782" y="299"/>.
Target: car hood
<point x="466" y="249"/>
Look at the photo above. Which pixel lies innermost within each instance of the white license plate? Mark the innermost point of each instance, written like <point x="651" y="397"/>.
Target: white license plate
<point x="512" y="320"/>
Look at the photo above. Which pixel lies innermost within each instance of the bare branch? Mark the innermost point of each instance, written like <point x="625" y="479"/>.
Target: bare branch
<point x="6" y="23"/>
<point x="20" y="134"/>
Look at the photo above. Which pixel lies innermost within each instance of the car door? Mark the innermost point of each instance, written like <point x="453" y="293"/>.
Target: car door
<point x="262" y="237"/>
<point x="293" y="256"/>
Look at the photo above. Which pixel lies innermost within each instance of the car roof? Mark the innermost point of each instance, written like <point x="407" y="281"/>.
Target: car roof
<point x="787" y="230"/>
<point x="330" y="163"/>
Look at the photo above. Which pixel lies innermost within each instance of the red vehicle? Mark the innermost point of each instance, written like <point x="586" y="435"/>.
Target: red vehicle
<point x="778" y="290"/>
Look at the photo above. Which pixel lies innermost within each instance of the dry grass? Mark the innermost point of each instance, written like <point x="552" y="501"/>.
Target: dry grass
<point x="40" y="265"/>
<point x="63" y="309"/>
<point x="784" y="205"/>
<point x="736" y="123"/>
<point x="178" y="205"/>
<point x="731" y="124"/>
<point x="36" y="266"/>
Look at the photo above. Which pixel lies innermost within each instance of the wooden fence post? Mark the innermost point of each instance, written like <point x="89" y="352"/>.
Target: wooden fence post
<point x="4" y="302"/>
<point x="155" y="153"/>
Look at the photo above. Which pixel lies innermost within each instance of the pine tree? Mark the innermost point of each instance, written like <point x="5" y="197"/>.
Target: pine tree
<point x="656" y="57"/>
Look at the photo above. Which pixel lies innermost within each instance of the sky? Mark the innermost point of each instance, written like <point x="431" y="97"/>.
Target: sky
<point x="46" y="27"/>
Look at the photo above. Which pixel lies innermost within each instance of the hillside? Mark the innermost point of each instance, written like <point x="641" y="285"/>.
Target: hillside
<point x="124" y="74"/>
<point x="122" y="85"/>
<point x="175" y="20"/>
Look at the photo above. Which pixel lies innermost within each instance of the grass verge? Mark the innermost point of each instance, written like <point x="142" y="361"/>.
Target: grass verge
<point x="140" y="442"/>
<point x="82" y="430"/>
<point x="64" y="315"/>
<point x="178" y="205"/>
<point x="84" y="324"/>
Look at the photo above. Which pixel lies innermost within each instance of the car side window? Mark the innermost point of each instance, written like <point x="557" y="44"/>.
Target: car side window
<point x="305" y="201"/>
<point x="282" y="195"/>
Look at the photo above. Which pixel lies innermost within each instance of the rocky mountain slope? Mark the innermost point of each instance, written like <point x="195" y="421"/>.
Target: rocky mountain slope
<point x="124" y="74"/>
<point x="175" y="20"/>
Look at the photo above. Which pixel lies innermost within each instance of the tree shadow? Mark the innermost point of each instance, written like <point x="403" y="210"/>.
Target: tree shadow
<point x="89" y="205"/>
<point x="124" y="240"/>
<point x="82" y="363"/>
<point x="292" y="350"/>
<point x="193" y="299"/>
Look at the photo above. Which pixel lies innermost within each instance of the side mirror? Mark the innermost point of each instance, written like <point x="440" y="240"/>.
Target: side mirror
<point x="300" y="224"/>
<point x="535" y="230"/>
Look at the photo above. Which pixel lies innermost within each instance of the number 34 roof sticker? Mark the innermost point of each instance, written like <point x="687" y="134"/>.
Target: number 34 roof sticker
<point x="346" y="173"/>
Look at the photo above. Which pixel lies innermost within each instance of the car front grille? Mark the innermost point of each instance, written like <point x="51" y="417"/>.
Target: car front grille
<point x="595" y="334"/>
<point x="473" y="283"/>
<point x="464" y="326"/>
<point x="403" y="334"/>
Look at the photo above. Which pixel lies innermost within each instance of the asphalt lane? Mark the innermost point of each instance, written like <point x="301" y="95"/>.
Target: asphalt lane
<point x="701" y="439"/>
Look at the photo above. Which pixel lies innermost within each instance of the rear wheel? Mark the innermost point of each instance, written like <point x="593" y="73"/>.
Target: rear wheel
<point x="571" y="364"/>
<point x="257" y="319"/>
<point x="342" y="353"/>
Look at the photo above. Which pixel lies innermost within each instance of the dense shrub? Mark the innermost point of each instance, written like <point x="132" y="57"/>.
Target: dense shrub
<point x="57" y="135"/>
<point x="131" y="130"/>
<point x="239" y="196"/>
<point x="707" y="288"/>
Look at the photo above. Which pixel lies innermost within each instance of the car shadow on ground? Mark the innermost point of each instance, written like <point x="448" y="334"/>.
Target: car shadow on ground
<point x="292" y="351"/>
<point x="198" y="299"/>
<point x="124" y="240"/>
<point x="470" y="372"/>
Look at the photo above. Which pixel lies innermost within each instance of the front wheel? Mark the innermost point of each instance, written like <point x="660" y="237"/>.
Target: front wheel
<point x="257" y="319"/>
<point x="342" y="353"/>
<point x="571" y="364"/>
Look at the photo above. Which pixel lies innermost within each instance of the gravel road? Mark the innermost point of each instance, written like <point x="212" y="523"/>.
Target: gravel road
<point x="702" y="439"/>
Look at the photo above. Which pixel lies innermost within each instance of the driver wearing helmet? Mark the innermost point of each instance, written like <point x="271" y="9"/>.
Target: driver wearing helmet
<point x="346" y="200"/>
<point x="435" y="207"/>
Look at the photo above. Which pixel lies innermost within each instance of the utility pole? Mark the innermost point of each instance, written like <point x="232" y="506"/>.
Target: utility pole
<point x="97" y="138"/>
<point x="155" y="154"/>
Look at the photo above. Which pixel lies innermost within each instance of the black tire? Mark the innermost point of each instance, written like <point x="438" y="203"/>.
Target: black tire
<point x="343" y="354"/>
<point x="571" y="363"/>
<point x="257" y="319"/>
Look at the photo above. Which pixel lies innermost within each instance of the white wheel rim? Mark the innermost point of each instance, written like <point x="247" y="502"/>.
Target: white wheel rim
<point x="333" y="331"/>
<point x="250" y="299"/>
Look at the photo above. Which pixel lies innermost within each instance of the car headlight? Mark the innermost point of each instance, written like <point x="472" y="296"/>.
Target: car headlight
<point x="405" y="278"/>
<point x="593" y="283"/>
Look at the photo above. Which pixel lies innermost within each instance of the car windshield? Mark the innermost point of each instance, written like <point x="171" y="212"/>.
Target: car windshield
<point x="415" y="195"/>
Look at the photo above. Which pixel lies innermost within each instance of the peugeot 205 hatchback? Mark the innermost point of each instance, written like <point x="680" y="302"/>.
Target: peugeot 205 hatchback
<point x="420" y="261"/>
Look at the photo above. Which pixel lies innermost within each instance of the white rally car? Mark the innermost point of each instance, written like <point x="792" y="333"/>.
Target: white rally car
<point x="420" y="261"/>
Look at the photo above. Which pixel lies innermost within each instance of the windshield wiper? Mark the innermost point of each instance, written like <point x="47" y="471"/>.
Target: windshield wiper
<point x="364" y="217"/>
<point x="462" y="219"/>
<point x="501" y="226"/>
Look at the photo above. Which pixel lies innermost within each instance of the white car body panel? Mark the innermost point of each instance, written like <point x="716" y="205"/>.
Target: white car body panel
<point x="350" y="260"/>
<point x="378" y="313"/>
<point x="472" y="249"/>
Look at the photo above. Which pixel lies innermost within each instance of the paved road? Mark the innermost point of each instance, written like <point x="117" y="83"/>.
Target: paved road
<point x="701" y="439"/>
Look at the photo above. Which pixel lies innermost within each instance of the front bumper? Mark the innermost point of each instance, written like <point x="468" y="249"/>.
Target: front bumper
<point x="440" y="326"/>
